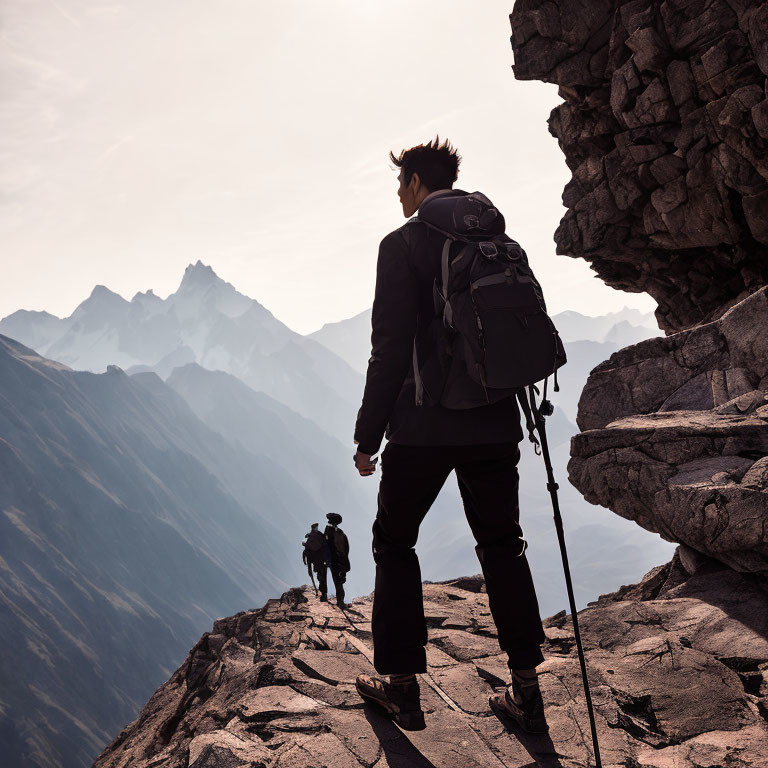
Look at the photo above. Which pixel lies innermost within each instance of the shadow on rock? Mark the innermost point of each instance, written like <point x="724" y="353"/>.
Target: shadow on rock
<point x="399" y="751"/>
<point x="739" y="595"/>
<point x="539" y="746"/>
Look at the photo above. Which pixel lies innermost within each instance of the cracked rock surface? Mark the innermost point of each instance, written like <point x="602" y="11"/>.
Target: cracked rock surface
<point x="676" y="436"/>
<point x="678" y="666"/>
<point x="664" y="127"/>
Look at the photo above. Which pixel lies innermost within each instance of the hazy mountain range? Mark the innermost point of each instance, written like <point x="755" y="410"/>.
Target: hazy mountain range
<point x="588" y="341"/>
<point x="128" y="524"/>
<point x="206" y="321"/>
<point x="118" y="540"/>
<point x="136" y="506"/>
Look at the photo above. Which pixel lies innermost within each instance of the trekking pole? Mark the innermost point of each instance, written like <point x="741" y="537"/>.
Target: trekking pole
<point x="539" y="413"/>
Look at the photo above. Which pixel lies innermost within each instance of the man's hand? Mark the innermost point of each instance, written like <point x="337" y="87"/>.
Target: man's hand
<point x="364" y="464"/>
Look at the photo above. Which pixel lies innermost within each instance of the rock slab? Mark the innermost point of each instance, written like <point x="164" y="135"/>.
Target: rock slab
<point x="675" y="436"/>
<point x="678" y="667"/>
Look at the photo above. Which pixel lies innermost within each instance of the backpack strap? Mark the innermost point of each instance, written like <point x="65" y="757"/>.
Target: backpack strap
<point x="417" y="376"/>
<point x="453" y="236"/>
<point x="447" y="312"/>
<point x="445" y="262"/>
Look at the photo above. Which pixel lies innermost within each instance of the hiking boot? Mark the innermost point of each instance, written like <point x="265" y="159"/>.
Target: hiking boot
<point x="521" y="701"/>
<point x="401" y="701"/>
<point x="341" y="604"/>
<point x="323" y="598"/>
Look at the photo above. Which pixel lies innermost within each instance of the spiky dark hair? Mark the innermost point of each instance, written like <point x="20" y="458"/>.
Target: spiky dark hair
<point x="436" y="163"/>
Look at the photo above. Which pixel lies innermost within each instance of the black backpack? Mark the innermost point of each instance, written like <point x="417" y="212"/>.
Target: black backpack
<point x="494" y="335"/>
<point x="314" y="542"/>
<point x="340" y="545"/>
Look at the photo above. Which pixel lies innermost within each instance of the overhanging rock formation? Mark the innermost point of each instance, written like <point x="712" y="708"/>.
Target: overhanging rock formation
<point x="677" y="681"/>
<point x="665" y="129"/>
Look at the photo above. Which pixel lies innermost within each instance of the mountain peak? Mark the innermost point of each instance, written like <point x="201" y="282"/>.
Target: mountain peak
<point x="100" y="306"/>
<point x="200" y="287"/>
<point x="148" y="295"/>
<point x="101" y="292"/>
<point x="102" y="299"/>
<point x="198" y="275"/>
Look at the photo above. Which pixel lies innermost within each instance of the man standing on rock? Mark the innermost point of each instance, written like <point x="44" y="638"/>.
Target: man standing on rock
<point x="336" y="556"/>
<point x="426" y="441"/>
<point x="312" y="557"/>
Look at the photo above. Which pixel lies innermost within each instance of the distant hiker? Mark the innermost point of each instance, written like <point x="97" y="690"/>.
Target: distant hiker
<point x="336" y="557"/>
<point x="440" y="414"/>
<point x="313" y="556"/>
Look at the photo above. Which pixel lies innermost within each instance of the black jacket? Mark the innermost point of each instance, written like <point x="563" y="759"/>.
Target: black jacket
<point x="403" y="309"/>
<point x="338" y="548"/>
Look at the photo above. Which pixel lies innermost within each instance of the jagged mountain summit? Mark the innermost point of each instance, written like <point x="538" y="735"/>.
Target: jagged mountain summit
<point x="275" y="687"/>
<point x="207" y="321"/>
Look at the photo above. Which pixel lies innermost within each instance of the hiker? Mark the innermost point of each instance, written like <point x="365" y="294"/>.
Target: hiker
<point x="336" y="557"/>
<point x="412" y="374"/>
<point x="313" y="557"/>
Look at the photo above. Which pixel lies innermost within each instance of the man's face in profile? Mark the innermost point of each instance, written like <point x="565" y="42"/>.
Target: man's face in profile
<point x="407" y="193"/>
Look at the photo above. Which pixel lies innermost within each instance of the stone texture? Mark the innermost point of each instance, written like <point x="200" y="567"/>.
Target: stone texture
<point x="676" y="436"/>
<point x="678" y="666"/>
<point x="664" y="126"/>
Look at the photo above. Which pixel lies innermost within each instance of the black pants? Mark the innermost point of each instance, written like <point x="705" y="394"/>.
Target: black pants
<point x="411" y="478"/>
<point x="338" y="581"/>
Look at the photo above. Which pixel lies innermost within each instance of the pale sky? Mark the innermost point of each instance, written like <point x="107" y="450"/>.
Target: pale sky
<point x="138" y="138"/>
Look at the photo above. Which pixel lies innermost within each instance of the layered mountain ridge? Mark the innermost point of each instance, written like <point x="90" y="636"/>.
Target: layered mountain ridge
<point x="207" y="321"/>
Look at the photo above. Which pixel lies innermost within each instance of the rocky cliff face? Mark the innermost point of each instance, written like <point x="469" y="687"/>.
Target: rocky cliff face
<point x="665" y="128"/>
<point x="677" y="667"/>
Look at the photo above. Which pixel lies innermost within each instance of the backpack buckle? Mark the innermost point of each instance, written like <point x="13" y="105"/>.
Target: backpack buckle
<point x="489" y="251"/>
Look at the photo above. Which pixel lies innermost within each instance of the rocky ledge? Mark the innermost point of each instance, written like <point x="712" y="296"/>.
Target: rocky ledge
<point x="678" y="666"/>
<point x="676" y="436"/>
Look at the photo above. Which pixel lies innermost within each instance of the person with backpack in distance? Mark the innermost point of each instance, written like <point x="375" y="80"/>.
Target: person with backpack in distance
<point x="459" y="328"/>
<point x="312" y="556"/>
<point x="336" y="556"/>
